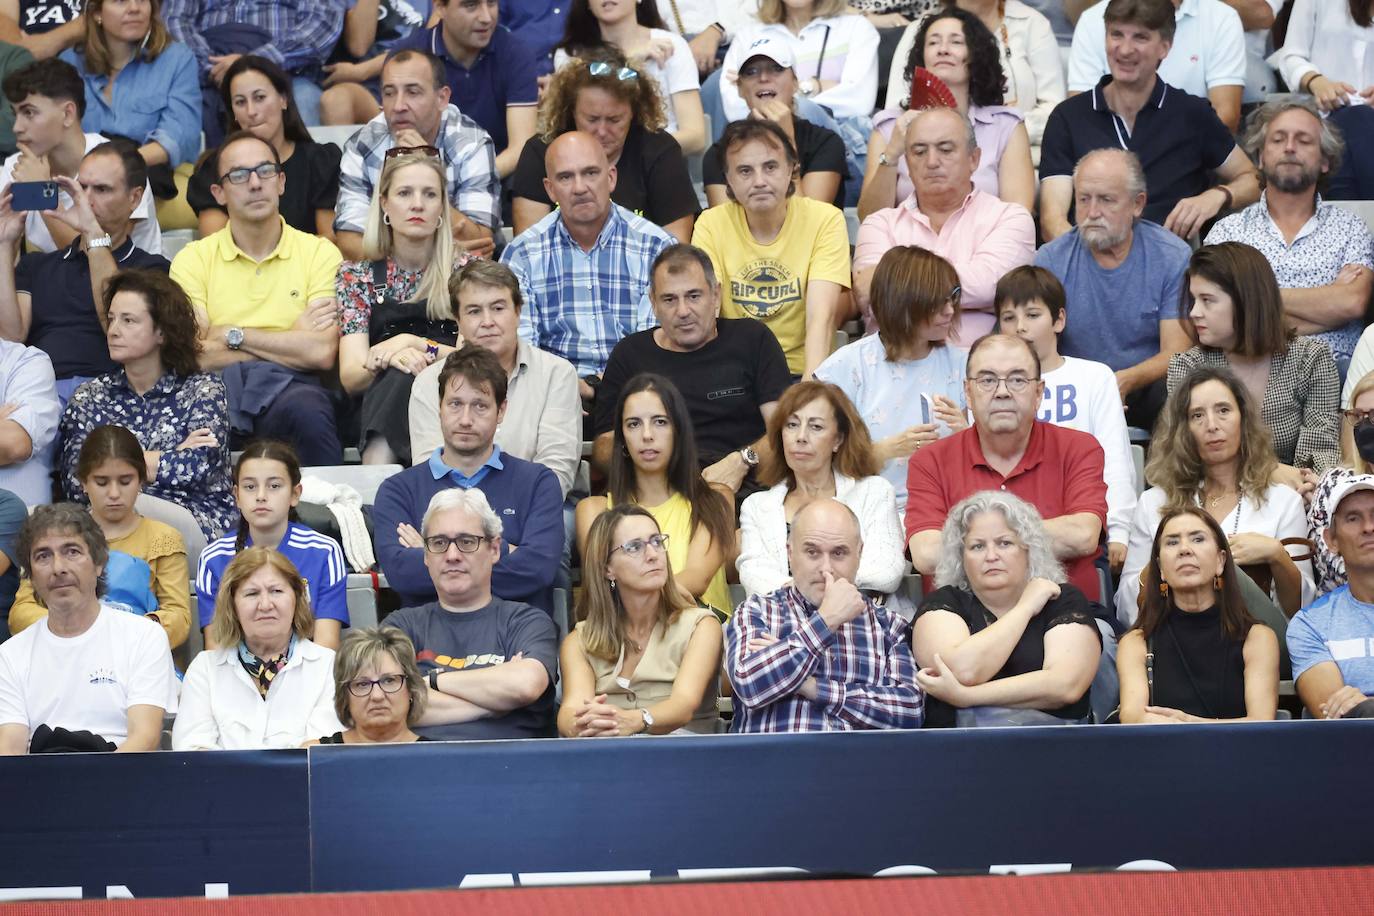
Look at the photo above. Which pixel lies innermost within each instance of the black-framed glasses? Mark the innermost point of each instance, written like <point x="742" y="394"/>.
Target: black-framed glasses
<point x="430" y="151"/>
<point x="264" y="170"/>
<point x="636" y="547"/>
<point x="606" y="68"/>
<point x="467" y="543"/>
<point x="987" y="383"/>
<point x="362" y="686"/>
<point x="1356" y="417"/>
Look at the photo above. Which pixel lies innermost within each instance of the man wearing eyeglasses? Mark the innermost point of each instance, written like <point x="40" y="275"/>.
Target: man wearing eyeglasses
<point x="526" y="496"/>
<point x="982" y="236"/>
<point x="1056" y="469"/>
<point x="416" y="114"/>
<point x="265" y="299"/>
<point x="491" y="663"/>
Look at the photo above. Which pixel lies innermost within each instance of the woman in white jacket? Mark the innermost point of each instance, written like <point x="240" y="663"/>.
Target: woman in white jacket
<point x="818" y="448"/>
<point x="270" y="686"/>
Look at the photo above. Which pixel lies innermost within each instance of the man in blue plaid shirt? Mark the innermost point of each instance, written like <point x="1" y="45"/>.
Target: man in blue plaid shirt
<point x="584" y="269"/>
<point x="416" y="115"/>
<point x="819" y="655"/>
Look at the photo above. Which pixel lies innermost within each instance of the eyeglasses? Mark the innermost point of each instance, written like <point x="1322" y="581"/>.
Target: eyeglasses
<point x="1357" y="417"/>
<point x="988" y="383"/>
<point x="636" y="547"/>
<point x="955" y="294"/>
<point x="430" y="151"/>
<point x="467" y="543"/>
<point x="606" y="68"/>
<point x="390" y="683"/>
<point x="264" y="170"/>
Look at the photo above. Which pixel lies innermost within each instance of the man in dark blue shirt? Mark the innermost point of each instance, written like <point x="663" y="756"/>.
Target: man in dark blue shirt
<point x="491" y="72"/>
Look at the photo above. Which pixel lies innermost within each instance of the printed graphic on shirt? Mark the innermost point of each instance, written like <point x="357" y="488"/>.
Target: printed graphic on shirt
<point x="102" y="676"/>
<point x="1061" y="404"/>
<point x="765" y="287"/>
<point x="50" y="14"/>
<point x="450" y="663"/>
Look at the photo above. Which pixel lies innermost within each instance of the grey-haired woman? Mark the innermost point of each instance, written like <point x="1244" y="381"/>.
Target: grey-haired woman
<point x="1004" y="639"/>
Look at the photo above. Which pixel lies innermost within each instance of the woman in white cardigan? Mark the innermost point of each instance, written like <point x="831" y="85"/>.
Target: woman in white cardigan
<point x="270" y="686"/>
<point x="818" y="448"/>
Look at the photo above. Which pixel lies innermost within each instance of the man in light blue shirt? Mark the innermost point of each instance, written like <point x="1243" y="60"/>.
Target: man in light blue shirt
<point x="1332" y="639"/>
<point x="29" y="412"/>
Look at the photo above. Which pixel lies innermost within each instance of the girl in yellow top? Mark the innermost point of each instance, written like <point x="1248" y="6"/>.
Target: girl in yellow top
<point x="112" y="471"/>
<point x="654" y="465"/>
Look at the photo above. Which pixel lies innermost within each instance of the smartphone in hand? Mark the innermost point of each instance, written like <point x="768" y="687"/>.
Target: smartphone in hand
<point x="33" y="195"/>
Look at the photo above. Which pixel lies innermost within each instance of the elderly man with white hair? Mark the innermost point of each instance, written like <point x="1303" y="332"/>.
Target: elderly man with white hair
<point x="491" y="664"/>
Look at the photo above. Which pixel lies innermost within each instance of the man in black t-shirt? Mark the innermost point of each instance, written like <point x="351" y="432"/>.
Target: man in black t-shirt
<point x="67" y="324"/>
<point x="768" y="85"/>
<point x="730" y="372"/>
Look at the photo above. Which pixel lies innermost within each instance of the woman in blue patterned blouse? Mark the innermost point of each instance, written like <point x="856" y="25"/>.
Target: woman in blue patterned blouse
<point x="179" y="414"/>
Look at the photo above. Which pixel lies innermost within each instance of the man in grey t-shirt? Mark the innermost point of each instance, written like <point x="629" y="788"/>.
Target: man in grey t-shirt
<point x="491" y="663"/>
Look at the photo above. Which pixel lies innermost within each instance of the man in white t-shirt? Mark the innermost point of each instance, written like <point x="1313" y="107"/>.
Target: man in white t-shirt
<point x="86" y="667"/>
<point x="1079" y="393"/>
<point x="49" y="100"/>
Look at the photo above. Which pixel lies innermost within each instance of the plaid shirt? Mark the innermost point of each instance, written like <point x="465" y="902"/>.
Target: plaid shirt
<point x="865" y="674"/>
<point x="469" y="166"/>
<point x="303" y="32"/>
<point x="580" y="304"/>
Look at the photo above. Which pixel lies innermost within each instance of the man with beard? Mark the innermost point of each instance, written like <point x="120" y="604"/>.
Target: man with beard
<point x="1321" y="254"/>
<point x="1122" y="276"/>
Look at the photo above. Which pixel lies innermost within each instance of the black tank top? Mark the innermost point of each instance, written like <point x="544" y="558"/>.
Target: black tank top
<point x="1197" y="668"/>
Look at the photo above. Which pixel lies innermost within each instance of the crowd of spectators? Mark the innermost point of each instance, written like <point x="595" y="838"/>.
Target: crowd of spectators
<point x="577" y="284"/>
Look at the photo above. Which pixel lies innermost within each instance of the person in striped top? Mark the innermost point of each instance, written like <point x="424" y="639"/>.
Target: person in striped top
<point x="267" y="486"/>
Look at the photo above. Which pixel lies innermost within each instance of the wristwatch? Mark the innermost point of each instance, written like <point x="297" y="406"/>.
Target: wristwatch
<point x="434" y="680"/>
<point x="808" y="87"/>
<point x="648" y="719"/>
<point x="233" y="338"/>
<point x="750" y="456"/>
<point x="883" y="160"/>
<point x="103" y="241"/>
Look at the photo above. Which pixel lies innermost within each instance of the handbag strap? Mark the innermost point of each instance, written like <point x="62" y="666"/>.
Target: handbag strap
<point x="1308" y="552"/>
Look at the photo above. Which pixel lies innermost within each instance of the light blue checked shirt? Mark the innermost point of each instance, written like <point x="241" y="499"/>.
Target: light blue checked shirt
<point x="580" y="304"/>
<point x="474" y="187"/>
<point x="303" y="32"/>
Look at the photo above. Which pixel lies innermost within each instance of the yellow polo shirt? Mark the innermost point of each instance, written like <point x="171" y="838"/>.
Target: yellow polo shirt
<point x="237" y="291"/>
<point x="768" y="282"/>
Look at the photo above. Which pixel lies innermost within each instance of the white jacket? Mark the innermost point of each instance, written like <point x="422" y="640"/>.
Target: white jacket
<point x="222" y="709"/>
<point x="762" y="562"/>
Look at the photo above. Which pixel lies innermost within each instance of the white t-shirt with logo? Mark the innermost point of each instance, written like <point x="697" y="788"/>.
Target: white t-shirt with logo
<point x="87" y="682"/>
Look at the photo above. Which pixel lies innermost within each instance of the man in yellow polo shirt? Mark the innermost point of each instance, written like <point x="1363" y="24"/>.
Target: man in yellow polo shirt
<point x="782" y="258"/>
<point x="264" y="297"/>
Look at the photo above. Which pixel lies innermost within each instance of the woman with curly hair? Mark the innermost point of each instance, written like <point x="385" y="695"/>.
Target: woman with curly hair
<point x="602" y="95"/>
<point x="955" y="47"/>
<point x="662" y="57"/>
<point x="1211" y="449"/>
<point x="179" y="414"/>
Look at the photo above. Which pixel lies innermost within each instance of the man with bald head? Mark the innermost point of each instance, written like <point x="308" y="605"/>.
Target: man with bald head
<point x="982" y="236"/>
<point x="584" y="268"/>
<point x="1056" y="469"/>
<point x="1114" y="250"/>
<point x="818" y="654"/>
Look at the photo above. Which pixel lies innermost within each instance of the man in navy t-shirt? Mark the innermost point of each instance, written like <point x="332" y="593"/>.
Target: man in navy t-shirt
<point x="491" y="664"/>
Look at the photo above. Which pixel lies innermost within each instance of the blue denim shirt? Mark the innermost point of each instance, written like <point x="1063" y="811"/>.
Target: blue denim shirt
<point x="154" y="101"/>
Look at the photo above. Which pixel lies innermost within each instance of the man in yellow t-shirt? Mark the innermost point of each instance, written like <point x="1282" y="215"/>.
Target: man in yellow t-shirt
<point x="783" y="259"/>
<point x="264" y="297"/>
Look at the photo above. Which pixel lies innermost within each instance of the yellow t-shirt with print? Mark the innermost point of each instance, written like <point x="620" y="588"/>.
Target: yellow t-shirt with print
<point x="768" y="282"/>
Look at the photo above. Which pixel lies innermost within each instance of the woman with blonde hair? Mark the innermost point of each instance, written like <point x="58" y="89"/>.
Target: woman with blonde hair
<point x="395" y="314"/>
<point x="1357" y="457"/>
<point x="269" y="686"/>
<point x="603" y="95"/>
<point x="644" y="659"/>
<point x="1212" y="450"/>
<point x="141" y="85"/>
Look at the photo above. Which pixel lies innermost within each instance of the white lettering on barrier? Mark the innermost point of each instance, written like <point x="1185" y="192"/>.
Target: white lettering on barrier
<point x="549" y="878"/>
<point x="40" y="893"/>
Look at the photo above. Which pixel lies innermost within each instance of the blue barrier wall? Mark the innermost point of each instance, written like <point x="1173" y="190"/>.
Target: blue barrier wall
<point x="351" y="818"/>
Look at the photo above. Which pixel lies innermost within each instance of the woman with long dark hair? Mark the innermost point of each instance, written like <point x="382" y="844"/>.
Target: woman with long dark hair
<point x="1196" y="654"/>
<point x="654" y="465"/>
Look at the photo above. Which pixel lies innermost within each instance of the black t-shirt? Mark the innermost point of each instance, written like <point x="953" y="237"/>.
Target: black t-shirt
<point x="453" y="641"/>
<point x="1178" y="137"/>
<point x="312" y="183"/>
<point x="819" y="149"/>
<point x="63" y="323"/>
<point x="39" y="16"/>
<point x="723" y="383"/>
<point x="1029" y="655"/>
<point x="651" y="177"/>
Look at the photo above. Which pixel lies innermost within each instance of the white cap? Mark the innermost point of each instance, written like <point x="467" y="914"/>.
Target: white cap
<point x="775" y="50"/>
<point x="1352" y="484"/>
